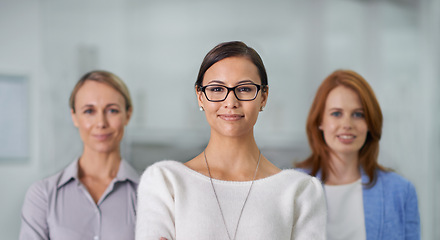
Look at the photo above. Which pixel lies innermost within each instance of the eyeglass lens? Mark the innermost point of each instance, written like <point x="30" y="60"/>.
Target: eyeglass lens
<point x="242" y="92"/>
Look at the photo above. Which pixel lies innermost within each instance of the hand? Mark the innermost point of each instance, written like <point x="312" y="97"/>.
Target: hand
<point x="162" y="238"/>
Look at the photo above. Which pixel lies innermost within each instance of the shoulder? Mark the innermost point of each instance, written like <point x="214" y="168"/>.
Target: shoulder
<point x="305" y="190"/>
<point x="162" y="168"/>
<point x="47" y="185"/>
<point x="393" y="180"/>
<point x="300" y="180"/>
<point x="166" y="170"/>
<point x="298" y="174"/>
<point x="303" y="170"/>
<point x="40" y="192"/>
<point x="396" y="185"/>
<point x="161" y="179"/>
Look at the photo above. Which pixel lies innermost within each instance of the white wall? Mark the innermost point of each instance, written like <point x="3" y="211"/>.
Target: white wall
<point x="157" y="48"/>
<point x="20" y="52"/>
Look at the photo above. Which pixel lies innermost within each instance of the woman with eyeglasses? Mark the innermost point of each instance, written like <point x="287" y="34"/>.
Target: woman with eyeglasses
<point x="230" y="190"/>
<point x="365" y="200"/>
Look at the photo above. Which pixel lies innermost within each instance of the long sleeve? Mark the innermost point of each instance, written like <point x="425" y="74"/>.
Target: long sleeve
<point x="155" y="213"/>
<point x="311" y="212"/>
<point x="412" y="218"/>
<point x="34" y="212"/>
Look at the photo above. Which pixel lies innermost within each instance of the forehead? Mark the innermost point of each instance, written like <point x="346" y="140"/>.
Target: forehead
<point x="232" y="70"/>
<point x="93" y="92"/>
<point x="343" y="97"/>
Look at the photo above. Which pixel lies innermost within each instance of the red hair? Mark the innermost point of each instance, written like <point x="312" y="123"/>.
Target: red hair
<point x="319" y="159"/>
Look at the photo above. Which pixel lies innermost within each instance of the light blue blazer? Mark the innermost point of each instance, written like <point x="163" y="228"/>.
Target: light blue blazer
<point x="390" y="207"/>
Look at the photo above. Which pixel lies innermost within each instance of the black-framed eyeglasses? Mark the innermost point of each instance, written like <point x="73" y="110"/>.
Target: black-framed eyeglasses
<point x="243" y="92"/>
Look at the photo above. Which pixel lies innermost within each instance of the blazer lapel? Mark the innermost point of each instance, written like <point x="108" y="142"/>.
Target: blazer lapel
<point x="373" y="208"/>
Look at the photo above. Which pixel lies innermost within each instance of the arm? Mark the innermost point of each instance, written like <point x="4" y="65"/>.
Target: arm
<point x="412" y="218"/>
<point x="34" y="214"/>
<point x="155" y="213"/>
<point x="310" y="212"/>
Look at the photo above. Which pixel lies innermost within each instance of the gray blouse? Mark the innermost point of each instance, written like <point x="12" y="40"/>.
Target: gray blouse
<point x="60" y="207"/>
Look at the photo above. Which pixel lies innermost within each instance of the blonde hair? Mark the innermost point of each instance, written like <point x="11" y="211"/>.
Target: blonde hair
<point x="102" y="77"/>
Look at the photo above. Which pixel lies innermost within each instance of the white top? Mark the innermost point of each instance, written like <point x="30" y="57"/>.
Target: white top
<point x="177" y="202"/>
<point x="345" y="211"/>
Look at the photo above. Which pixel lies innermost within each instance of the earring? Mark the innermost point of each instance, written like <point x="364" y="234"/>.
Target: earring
<point x="261" y="108"/>
<point x="201" y="109"/>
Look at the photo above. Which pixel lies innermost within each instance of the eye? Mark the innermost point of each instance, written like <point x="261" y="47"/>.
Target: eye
<point x="244" y="89"/>
<point x="358" y="115"/>
<point x="88" y="111"/>
<point x="113" y="110"/>
<point x="336" y="114"/>
<point x="215" y="89"/>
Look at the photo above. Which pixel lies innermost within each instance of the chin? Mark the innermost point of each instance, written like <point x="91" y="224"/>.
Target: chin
<point x="105" y="148"/>
<point x="236" y="134"/>
<point x="348" y="151"/>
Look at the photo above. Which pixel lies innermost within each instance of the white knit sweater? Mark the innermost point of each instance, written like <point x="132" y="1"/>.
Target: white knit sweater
<point x="176" y="202"/>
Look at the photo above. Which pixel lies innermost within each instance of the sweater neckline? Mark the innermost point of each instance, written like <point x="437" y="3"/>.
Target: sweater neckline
<point x="206" y="178"/>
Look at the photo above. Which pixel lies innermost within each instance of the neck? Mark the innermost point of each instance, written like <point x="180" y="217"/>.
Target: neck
<point x="344" y="169"/>
<point x="232" y="158"/>
<point x="99" y="165"/>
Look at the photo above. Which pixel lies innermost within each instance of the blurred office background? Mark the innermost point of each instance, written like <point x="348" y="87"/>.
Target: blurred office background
<point x="157" y="48"/>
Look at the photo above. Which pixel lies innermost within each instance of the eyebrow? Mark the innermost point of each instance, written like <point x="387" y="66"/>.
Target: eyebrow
<point x="336" y="108"/>
<point x="223" y="83"/>
<point x="108" y="105"/>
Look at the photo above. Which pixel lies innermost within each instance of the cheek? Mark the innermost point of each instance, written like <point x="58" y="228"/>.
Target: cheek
<point x="211" y="107"/>
<point x="364" y="129"/>
<point x="118" y="123"/>
<point x="256" y="111"/>
<point x="85" y="124"/>
<point x="328" y="127"/>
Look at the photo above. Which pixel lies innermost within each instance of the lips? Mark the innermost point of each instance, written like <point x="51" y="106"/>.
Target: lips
<point x="346" y="138"/>
<point x="230" y="117"/>
<point x="102" y="137"/>
<point x="349" y="136"/>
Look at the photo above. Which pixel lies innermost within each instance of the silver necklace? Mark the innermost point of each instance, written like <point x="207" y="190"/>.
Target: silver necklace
<point x="245" y="200"/>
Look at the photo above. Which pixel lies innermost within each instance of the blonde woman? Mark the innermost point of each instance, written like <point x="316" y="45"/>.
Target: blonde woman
<point x="95" y="196"/>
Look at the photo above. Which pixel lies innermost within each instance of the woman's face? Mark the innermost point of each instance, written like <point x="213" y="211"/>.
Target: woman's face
<point x="343" y="124"/>
<point x="100" y="116"/>
<point x="232" y="117"/>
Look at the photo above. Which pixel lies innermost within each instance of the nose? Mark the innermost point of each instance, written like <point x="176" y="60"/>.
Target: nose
<point x="231" y="100"/>
<point x="347" y="122"/>
<point x="101" y="120"/>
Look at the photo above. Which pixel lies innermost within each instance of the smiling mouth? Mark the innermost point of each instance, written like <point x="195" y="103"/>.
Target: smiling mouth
<point x="231" y="117"/>
<point x="102" y="137"/>
<point x="346" y="136"/>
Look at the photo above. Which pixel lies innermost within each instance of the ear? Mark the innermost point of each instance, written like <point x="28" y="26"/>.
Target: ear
<point x="320" y="127"/>
<point x="74" y="118"/>
<point x="129" y="113"/>
<point x="199" y="94"/>
<point x="264" y="96"/>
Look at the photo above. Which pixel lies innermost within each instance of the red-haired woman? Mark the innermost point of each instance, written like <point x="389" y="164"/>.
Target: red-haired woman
<point x="365" y="200"/>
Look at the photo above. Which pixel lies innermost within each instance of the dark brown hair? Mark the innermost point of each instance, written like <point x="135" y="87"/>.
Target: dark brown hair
<point x="368" y="154"/>
<point x="231" y="49"/>
<point x="103" y="77"/>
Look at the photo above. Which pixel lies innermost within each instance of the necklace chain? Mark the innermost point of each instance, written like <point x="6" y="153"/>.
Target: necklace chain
<point x="245" y="200"/>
